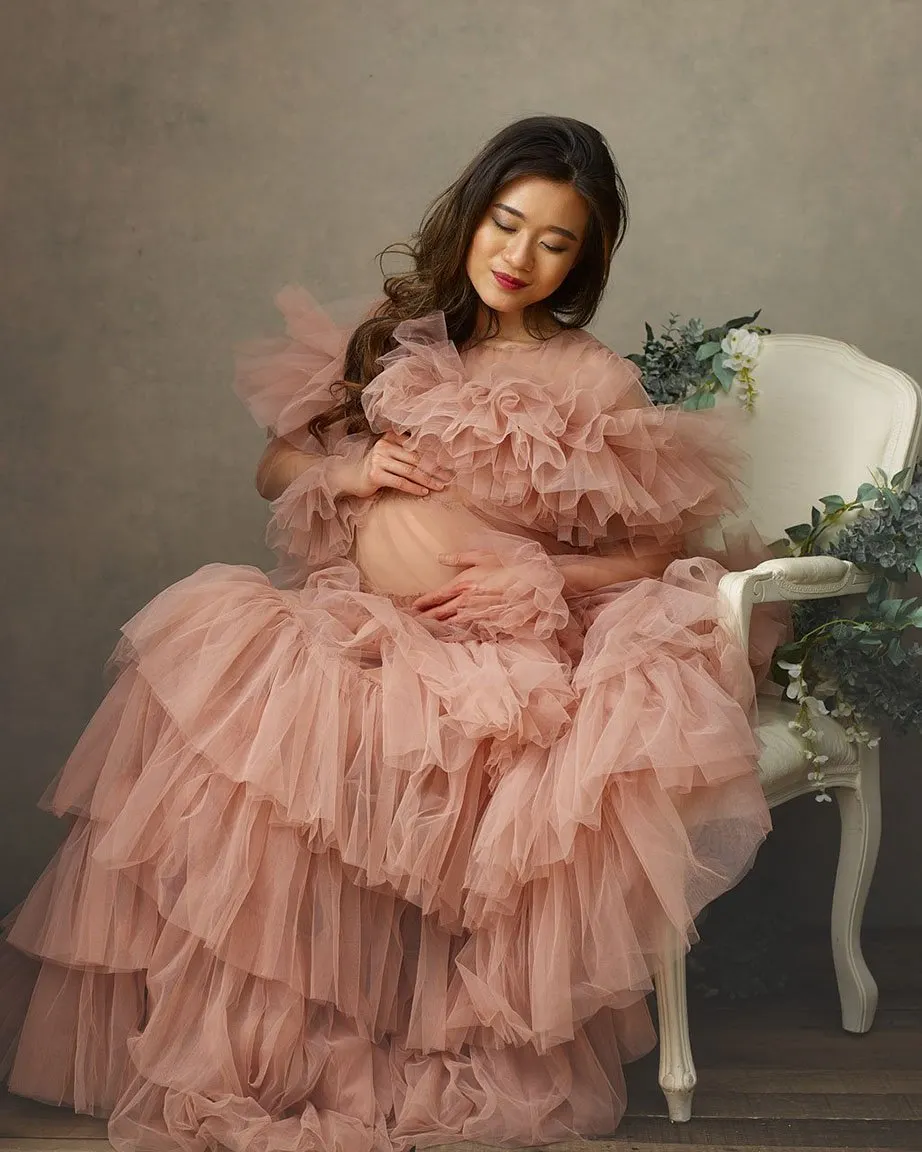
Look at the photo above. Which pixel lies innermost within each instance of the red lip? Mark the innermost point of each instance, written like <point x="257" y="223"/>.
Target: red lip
<point x="509" y="281"/>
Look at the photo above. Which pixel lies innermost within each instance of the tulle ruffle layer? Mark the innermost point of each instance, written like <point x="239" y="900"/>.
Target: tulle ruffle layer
<point x="312" y="520"/>
<point x="559" y="439"/>
<point x="285" y="381"/>
<point x="562" y="439"/>
<point x="336" y="880"/>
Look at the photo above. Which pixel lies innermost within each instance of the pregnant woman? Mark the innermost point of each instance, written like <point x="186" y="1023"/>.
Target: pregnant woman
<point x="382" y="849"/>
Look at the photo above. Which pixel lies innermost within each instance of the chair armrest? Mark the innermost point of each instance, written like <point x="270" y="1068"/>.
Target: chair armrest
<point x="787" y="578"/>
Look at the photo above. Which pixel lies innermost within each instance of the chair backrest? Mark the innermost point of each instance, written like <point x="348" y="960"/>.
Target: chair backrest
<point x="824" y="416"/>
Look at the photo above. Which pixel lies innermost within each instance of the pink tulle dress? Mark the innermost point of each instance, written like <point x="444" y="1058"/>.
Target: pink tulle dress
<point x="342" y="878"/>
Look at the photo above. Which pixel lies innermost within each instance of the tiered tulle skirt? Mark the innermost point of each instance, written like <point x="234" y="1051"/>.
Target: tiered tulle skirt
<point x="337" y="882"/>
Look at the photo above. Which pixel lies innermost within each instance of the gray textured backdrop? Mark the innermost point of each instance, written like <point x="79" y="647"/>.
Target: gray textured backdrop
<point x="168" y="164"/>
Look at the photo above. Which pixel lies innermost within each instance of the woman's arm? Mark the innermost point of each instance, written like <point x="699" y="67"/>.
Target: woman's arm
<point x="281" y="463"/>
<point x="585" y="573"/>
<point x="360" y="471"/>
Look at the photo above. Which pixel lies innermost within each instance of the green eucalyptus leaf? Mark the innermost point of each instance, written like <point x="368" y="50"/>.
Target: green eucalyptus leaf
<point x="889" y="610"/>
<point x="867" y="492"/>
<point x="832" y="503"/>
<point x="706" y="350"/>
<point x="878" y="591"/>
<point x="918" y="562"/>
<point x="895" y="651"/>
<point x="699" y="399"/>
<point x="792" y="652"/>
<point x="742" y="321"/>
<point x="815" y="517"/>
<point x="892" y="500"/>
<point x="799" y="532"/>
<point x="724" y="374"/>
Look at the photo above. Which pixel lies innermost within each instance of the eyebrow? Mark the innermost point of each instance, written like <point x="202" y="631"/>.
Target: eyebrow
<point x="551" y="227"/>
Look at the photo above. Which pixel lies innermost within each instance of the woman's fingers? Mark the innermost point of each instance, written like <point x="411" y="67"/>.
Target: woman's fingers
<point x="465" y="604"/>
<point x="388" y="478"/>
<point x="396" y="451"/>
<point x="409" y="478"/>
<point x="414" y="476"/>
<point x="442" y="611"/>
<point x="437" y="596"/>
<point x="430" y="473"/>
<point x="465" y="559"/>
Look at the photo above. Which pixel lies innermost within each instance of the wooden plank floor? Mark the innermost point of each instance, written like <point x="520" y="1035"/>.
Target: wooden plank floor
<point x="774" y="1073"/>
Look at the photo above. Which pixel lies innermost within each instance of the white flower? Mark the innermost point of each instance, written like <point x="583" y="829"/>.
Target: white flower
<point x="741" y="348"/>
<point x="794" y="669"/>
<point x="794" y="690"/>
<point x="824" y="796"/>
<point x="820" y="759"/>
<point x="815" y="705"/>
<point x="873" y="743"/>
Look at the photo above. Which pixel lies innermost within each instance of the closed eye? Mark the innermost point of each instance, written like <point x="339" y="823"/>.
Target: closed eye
<point x="505" y="228"/>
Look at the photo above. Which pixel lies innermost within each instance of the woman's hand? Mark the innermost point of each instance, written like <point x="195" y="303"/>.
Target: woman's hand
<point x="485" y="584"/>
<point x="588" y="572"/>
<point x="388" y="464"/>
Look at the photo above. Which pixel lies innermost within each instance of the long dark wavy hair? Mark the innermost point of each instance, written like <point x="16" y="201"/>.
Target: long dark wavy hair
<point x="555" y="147"/>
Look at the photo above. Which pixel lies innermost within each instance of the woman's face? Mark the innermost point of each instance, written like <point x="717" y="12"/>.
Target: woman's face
<point x="526" y="243"/>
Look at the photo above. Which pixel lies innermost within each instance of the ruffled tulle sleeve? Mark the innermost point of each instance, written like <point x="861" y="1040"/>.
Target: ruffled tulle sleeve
<point x="285" y="382"/>
<point x="563" y="439"/>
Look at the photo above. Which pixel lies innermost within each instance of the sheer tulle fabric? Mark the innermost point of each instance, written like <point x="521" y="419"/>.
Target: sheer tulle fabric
<point x="342" y="877"/>
<point x="562" y="440"/>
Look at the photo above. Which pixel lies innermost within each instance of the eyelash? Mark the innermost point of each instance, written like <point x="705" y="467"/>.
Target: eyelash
<point x="504" y="228"/>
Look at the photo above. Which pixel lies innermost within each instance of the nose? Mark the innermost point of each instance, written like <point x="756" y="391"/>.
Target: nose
<point x="518" y="253"/>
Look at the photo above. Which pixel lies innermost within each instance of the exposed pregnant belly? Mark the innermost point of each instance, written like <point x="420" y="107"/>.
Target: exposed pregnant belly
<point x="397" y="545"/>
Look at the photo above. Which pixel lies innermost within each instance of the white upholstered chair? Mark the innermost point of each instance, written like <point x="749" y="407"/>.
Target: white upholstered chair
<point x="824" y="416"/>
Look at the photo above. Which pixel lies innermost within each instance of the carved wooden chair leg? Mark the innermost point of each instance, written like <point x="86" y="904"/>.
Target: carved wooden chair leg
<point x="859" y="811"/>
<point x="677" y="1076"/>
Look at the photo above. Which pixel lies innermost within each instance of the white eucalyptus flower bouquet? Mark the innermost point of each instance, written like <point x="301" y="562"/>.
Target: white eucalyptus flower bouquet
<point x="689" y="364"/>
